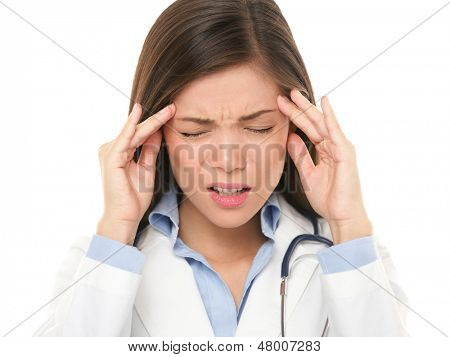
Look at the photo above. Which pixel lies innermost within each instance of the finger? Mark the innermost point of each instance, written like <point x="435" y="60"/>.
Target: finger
<point x="311" y="111"/>
<point x="152" y="124"/>
<point x="142" y="174"/>
<point x="123" y="139"/>
<point x="333" y="126"/>
<point x="150" y="150"/>
<point x="301" y="157"/>
<point x="299" y="119"/>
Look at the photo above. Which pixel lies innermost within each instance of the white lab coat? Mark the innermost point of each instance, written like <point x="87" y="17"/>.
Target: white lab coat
<point x="97" y="299"/>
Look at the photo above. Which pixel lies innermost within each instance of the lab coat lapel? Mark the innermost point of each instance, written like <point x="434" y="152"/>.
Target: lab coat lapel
<point x="168" y="301"/>
<point x="262" y="313"/>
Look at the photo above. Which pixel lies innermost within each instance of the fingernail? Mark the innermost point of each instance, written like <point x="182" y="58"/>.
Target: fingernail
<point x="291" y="147"/>
<point x="134" y="108"/>
<point x="167" y="109"/>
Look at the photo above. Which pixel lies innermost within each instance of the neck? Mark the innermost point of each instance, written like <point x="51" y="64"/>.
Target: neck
<point x="218" y="244"/>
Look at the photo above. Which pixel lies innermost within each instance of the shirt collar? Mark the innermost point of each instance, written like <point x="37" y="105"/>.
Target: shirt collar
<point x="164" y="216"/>
<point x="270" y="215"/>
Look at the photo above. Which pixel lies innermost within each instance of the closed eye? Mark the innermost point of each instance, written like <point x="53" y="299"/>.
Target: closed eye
<point x="256" y="131"/>
<point x="261" y="131"/>
<point x="191" y="135"/>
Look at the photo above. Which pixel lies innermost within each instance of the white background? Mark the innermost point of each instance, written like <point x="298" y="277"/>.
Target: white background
<point x="55" y="113"/>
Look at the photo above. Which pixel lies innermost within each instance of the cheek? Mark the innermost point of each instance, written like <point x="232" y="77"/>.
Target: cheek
<point x="273" y="161"/>
<point x="266" y="162"/>
<point x="274" y="150"/>
<point x="184" y="161"/>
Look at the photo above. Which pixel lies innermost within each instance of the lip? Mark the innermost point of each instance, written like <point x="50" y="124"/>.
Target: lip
<point x="229" y="201"/>
<point x="228" y="185"/>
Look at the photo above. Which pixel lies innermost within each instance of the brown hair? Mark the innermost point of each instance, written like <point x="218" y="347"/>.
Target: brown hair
<point x="194" y="38"/>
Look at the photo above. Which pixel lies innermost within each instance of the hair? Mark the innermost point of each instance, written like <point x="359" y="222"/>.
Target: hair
<point x="194" y="38"/>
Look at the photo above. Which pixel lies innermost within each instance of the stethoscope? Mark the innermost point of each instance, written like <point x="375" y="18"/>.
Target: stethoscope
<point x="285" y="268"/>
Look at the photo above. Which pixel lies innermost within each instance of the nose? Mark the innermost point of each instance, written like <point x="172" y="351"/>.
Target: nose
<point x="226" y="155"/>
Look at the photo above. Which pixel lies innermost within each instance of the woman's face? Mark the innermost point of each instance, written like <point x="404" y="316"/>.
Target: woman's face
<point x="225" y="149"/>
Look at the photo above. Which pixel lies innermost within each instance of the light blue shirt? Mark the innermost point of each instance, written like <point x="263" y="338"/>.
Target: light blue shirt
<point x="216" y="296"/>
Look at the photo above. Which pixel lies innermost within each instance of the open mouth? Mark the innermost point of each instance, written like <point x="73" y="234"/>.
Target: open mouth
<point x="228" y="192"/>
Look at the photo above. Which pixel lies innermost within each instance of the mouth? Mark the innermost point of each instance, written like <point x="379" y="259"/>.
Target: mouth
<point x="229" y="191"/>
<point x="228" y="195"/>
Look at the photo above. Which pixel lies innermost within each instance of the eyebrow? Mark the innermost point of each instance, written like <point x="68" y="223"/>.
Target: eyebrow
<point x="242" y="118"/>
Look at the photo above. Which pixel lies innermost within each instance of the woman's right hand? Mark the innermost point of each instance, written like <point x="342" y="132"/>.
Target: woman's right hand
<point x="128" y="187"/>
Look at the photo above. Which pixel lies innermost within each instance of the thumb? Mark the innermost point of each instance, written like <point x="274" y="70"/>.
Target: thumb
<point x="301" y="157"/>
<point x="143" y="174"/>
<point x="150" y="150"/>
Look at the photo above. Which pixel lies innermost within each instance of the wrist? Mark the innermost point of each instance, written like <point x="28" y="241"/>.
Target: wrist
<point x="122" y="231"/>
<point x="346" y="230"/>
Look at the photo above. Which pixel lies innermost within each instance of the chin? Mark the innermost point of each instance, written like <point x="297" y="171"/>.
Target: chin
<point x="228" y="220"/>
<point x="225" y="217"/>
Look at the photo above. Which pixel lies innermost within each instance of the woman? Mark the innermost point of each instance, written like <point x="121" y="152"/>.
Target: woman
<point x="201" y="199"/>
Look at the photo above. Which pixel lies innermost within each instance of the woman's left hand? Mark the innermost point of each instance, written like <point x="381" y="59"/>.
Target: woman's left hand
<point x="332" y="186"/>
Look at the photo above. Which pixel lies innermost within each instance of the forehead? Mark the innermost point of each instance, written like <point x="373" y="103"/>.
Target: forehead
<point x="230" y="93"/>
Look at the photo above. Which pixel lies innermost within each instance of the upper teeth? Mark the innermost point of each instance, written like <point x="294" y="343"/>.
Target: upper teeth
<point x="226" y="190"/>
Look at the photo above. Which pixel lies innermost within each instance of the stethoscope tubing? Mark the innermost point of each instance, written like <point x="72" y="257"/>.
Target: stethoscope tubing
<point x="285" y="270"/>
